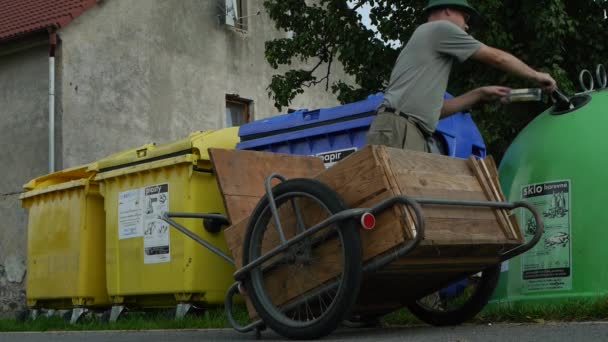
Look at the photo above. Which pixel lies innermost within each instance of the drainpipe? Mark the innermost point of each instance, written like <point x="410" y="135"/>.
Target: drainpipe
<point x="53" y="45"/>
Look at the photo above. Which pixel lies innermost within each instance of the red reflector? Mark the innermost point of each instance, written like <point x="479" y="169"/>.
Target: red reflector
<point x="368" y="221"/>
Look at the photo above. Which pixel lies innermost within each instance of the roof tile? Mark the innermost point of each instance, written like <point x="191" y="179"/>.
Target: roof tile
<point x="20" y="17"/>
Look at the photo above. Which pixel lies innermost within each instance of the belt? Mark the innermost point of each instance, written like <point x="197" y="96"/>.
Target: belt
<point x="393" y="110"/>
<point x="405" y="116"/>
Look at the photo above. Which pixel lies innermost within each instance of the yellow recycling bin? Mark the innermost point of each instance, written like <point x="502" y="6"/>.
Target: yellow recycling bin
<point x="66" y="242"/>
<point x="148" y="263"/>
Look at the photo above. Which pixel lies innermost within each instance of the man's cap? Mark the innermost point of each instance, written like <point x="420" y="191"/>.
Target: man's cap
<point x="462" y="4"/>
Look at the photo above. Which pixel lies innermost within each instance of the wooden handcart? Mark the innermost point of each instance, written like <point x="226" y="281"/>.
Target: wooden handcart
<point x="381" y="230"/>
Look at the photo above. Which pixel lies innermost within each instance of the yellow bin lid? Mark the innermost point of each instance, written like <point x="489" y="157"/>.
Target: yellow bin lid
<point x="63" y="176"/>
<point x="196" y="143"/>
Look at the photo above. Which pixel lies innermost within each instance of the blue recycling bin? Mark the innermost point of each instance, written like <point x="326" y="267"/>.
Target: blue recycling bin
<point x="334" y="133"/>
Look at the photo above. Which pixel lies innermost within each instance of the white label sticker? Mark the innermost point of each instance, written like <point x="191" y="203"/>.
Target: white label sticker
<point x="332" y="157"/>
<point x="130" y="216"/>
<point x="504" y="267"/>
<point x="156" y="231"/>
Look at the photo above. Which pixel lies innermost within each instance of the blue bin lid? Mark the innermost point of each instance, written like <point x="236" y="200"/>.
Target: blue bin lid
<point x="302" y="118"/>
<point x="456" y="126"/>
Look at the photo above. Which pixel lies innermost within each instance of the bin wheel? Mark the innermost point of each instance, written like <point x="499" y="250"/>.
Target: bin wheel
<point x="302" y="203"/>
<point x="105" y="316"/>
<point x="23" y="315"/>
<point x="439" y="311"/>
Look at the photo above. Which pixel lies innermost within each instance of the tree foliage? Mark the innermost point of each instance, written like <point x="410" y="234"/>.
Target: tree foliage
<point x="560" y="37"/>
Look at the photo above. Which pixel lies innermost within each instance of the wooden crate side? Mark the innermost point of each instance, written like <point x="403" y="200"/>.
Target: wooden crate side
<point x="406" y="213"/>
<point x="491" y="196"/>
<point x="362" y="182"/>
<point x="421" y="176"/>
<point x="437" y="185"/>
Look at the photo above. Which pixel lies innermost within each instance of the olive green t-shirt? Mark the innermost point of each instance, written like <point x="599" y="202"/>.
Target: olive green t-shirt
<point x="420" y="76"/>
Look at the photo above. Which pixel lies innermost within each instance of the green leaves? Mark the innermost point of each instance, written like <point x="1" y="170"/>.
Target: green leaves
<point x="560" y="37"/>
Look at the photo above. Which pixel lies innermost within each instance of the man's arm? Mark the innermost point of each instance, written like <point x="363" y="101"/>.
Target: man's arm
<point x="509" y="63"/>
<point x="466" y="101"/>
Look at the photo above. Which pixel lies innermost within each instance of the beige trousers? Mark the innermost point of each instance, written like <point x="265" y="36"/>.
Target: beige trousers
<point x="396" y="131"/>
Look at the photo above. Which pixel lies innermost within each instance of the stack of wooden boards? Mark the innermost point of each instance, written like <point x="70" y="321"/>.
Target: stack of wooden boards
<point x="459" y="240"/>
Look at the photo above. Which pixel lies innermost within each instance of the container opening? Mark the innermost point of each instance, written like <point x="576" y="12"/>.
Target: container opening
<point x="576" y="102"/>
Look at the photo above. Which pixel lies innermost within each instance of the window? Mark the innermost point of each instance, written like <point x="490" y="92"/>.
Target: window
<point x="238" y="110"/>
<point x="236" y="14"/>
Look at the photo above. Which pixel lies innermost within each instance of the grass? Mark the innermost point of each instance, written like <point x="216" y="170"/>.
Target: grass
<point x="132" y="321"/>
<point x="571" y="311"/>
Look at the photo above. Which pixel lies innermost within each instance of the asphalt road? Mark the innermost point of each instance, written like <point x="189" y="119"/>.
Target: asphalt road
<point x="591" y="331"/>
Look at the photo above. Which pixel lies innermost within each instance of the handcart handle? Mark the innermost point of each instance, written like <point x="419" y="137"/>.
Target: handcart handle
<point x="540" y="228"/>
<point x="166" y="216"/>
<point x="233" y="290"/>
<point x="499" y="205"/>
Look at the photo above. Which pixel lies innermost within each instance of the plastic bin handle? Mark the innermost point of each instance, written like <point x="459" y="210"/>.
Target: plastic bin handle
<point x="142" y="152"/>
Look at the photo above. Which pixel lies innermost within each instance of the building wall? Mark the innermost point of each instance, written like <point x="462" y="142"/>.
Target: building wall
<point x="156" y="70"/>
<point x="128" y="72"/>
<point x="24" y="155"/>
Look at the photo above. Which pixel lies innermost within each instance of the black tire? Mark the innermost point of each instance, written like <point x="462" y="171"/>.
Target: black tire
<point x="298" y="193"/>
<point x="465" y="311"/>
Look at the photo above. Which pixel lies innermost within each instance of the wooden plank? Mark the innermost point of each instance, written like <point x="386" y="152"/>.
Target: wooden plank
<point x="489" y="194"/>
<point x="489" y="160"/>
<point x="479" y="250"/>
<point x="426" y="162"/>
<point x="290" y="281"/>
<point x="498" y="197"/>
<point x="437" y="181"/>
<point x="357" y="178"/>
<point x="446" y="261"/>
<point x="240" y="207"/>
<point x="457" y="212"/>
<point x="233" y="181"/>
<point x="448" y="230"/>
<point x="405" y="212"/>
<point x="235" y="236"/>
<point x="441" y="194"/>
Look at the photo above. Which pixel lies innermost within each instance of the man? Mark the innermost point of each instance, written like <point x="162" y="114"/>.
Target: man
<point x="413" y="101"/>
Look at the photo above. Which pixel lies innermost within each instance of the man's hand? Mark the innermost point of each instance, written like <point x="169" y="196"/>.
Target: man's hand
<point x="473" y="97"/>
<point x="545" y="81"/>
<point x="493" y="93"/>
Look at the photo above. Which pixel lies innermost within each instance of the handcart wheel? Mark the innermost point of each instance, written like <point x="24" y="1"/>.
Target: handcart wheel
<point x="438" y="310"/>
<point x="284" y="290"/>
